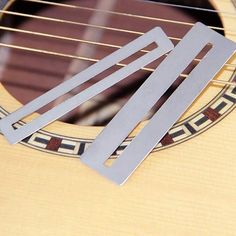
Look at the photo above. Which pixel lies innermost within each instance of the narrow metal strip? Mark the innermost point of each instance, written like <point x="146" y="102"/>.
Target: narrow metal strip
<point x="149" y="93"/>
<point x="155" y="35"/>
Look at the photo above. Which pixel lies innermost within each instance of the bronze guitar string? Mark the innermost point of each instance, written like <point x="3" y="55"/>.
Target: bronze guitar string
<point x="231" y="14"/>
<point x="86" y="41"/>
<point x="79" y="40"/>
<point x="91" y="59"/>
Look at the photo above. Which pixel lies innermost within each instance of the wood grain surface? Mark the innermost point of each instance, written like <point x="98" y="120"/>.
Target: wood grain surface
<point x="187" y="189"/>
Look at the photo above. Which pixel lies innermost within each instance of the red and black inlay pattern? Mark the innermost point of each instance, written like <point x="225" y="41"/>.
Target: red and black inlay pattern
<point x="54" y="144"/>
<point x="62" y="145"/>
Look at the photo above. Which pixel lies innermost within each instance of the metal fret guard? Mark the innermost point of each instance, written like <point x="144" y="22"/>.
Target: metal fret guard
<point x="140" y="103"/>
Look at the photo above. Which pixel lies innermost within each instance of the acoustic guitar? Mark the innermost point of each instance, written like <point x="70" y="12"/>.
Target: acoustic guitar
<point x="186" y="186"/>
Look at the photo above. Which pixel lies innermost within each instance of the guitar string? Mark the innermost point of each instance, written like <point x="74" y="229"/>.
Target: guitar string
<point x="80" y="40"/>
<point x="218" y="81"/>
<point x="105" y="27"/>
<point x="77" y="23"/>
<point x="231" y="32"/>
<point x="129" y="15"/>
<point x="77" y="57"/>
<point x="231" y="14"/>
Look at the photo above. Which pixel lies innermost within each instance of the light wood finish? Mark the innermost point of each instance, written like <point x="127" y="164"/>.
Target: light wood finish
<point x="189" y="189"/>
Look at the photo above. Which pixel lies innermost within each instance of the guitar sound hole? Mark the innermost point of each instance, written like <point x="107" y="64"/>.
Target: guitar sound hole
<point x="26" y="75"/>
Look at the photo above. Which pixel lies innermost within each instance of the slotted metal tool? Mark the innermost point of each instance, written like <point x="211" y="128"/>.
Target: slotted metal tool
<point x="156" y="35"/>
<point x="149" y="93"/>
<point x="140" y="103"/>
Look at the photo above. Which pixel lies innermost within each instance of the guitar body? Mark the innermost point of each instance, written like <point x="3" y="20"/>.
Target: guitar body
<point x="186" y="186"/>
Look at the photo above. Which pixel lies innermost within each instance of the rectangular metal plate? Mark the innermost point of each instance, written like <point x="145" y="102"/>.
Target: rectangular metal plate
<point x="156" y="35"/>
<point x="149" y="93"/>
